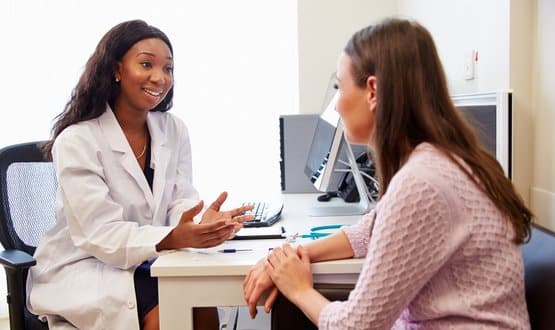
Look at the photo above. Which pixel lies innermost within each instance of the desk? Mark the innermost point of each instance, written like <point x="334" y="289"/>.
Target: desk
<point x="204" y="277"/>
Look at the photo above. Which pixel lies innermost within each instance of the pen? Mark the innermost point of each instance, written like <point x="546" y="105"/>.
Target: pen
<point x="233" y="250"/>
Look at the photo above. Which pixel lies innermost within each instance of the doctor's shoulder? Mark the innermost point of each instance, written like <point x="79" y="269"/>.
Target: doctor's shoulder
<point x="169" y="123"/>
<point x="77" y="136"/>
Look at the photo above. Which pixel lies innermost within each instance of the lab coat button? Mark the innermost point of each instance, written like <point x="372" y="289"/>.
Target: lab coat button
<point x="131" y="304"/>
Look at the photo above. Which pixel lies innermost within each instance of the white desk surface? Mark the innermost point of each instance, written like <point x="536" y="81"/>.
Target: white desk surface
<point x="205" y="277"/>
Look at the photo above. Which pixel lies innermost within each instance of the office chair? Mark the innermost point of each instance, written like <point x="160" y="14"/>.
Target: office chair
<point x="27" y="194"/>
<point x="539" y="277"/>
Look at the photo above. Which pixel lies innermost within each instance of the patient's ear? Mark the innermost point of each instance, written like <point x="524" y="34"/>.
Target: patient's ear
<point x="372" y="92"/>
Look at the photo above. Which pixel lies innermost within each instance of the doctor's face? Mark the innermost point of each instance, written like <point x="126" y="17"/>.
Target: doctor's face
<point x="355" y="104"/>
<point x="146" y="75"/>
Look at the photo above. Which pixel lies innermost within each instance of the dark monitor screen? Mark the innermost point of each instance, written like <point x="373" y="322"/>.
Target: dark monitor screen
<point x="482" y="119"/>
<point x="490" y="114"/>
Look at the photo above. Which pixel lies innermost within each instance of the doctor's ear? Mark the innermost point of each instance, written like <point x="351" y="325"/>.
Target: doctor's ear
<point x="117" y="75"/>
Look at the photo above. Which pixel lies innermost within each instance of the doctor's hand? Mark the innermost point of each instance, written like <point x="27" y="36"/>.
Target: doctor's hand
<point x="255" y="284"/>
<point x="213" y="213"/>
<point x="187" y="233"/>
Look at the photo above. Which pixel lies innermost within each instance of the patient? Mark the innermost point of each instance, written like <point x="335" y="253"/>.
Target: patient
<point x="441" y="247"/>
<point x="125" y="191"/>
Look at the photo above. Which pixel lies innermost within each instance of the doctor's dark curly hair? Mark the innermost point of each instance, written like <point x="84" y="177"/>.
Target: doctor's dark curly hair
<point x="97" y="86"/>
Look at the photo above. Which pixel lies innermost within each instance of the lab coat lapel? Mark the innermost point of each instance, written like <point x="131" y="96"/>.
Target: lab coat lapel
<point x="160" y="156"/>
<point x="117" y="141"/>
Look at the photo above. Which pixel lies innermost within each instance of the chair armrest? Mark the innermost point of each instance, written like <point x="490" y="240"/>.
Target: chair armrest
<point x="16" y="263"/>
<point x="16" y="259"/>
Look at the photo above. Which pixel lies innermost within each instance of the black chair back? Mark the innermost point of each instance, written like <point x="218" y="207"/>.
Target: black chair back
<point x="539" y="278"/>
<point x="27" y="197"/>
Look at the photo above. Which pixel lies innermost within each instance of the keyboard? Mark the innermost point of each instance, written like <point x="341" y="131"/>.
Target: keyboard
<point x="265" y="213"/>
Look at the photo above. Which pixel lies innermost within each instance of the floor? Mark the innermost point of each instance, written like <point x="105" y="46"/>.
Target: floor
<point x="244" y="322"/>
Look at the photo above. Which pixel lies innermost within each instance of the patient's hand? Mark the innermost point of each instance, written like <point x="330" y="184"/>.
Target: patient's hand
<point x="256" y="283"/>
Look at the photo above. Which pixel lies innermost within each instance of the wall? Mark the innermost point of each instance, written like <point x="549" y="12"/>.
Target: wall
<point x="542" y="195"/>
<point x="457" y="28"/>
<point x="324" y="27"/>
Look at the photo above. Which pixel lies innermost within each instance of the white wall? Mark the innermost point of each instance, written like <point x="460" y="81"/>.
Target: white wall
<point x="324" y="26"/>
<point x="542" y="197"/>
<point x="461" y="26"/>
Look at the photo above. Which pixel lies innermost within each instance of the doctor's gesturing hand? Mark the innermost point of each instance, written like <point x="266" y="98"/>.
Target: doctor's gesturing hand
<point x="237" y="215"/>
<point x="215" y="227"/>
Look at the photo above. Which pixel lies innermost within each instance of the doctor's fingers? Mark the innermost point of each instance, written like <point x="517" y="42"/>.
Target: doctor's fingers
<point x="192" y="212"/>
<point x="217" y="204"/>
<point x="240" y="210"/>
<point x="214" y="238"/>
<point x="204" y="228"/>
<point x="243" y="218"/>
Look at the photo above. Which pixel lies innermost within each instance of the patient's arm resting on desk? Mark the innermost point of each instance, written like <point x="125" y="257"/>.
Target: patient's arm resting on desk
<point x="333" y="247"/>
<point x="258" y="281"/>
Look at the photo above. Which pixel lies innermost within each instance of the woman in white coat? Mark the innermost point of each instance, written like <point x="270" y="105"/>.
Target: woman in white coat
<point x="125" y="191"/>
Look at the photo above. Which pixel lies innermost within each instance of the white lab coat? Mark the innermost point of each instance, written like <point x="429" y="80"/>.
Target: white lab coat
<point x="108" y="220"/>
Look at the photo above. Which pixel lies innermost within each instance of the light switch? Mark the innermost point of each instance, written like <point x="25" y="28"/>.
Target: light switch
<point x="469" y="60"/>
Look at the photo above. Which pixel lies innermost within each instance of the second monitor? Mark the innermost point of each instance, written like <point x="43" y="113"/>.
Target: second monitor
<point x="324" y="163"/>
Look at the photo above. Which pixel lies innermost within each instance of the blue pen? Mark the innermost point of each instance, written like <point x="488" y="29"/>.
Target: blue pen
<point x="233" y="250"/>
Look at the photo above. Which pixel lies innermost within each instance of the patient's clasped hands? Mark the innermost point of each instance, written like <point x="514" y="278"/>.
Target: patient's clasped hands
<point x="285" y="268"/>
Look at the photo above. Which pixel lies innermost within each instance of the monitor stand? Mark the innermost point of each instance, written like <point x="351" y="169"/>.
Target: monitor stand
<point x="362" y="207"/>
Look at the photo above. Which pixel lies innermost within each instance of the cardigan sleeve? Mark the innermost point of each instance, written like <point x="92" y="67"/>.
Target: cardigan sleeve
<point x="413" y="236"/>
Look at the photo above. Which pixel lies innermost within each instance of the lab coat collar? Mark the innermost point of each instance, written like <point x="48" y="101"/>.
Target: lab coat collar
<point x="159" y="154"/>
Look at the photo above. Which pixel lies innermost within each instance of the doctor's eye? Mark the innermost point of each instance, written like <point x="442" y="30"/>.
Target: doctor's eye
<point x="146" y="64"/>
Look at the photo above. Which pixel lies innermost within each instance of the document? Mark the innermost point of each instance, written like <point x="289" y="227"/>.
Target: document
<point x="271" y="232"/>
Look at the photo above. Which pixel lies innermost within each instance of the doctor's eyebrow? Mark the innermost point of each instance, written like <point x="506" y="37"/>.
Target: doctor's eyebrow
<point x="151" y="54"/>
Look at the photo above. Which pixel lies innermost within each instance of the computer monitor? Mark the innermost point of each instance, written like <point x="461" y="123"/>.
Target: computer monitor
<point x="324" y="149"/>
<point x="329" y="157"/>
<point x="490" y="114"/>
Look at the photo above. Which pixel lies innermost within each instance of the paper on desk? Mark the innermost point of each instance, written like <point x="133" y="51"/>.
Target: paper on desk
<point x="260" y="233"/>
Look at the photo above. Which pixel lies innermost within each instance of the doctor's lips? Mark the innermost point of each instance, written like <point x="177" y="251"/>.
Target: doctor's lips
<point x="153" y="93"/>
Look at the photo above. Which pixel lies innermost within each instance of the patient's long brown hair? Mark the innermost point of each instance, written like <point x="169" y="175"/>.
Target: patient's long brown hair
<point x="414" y="106"/>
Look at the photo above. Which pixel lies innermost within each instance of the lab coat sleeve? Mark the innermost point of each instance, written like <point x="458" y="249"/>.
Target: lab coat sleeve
<point x="94" y="220"/>
<point x="184" y="196"/>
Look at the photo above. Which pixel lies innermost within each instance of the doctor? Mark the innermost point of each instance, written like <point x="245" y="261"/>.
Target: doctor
<point x="125" y="191"/>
